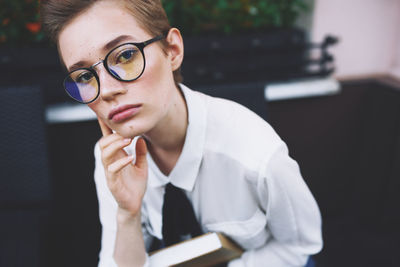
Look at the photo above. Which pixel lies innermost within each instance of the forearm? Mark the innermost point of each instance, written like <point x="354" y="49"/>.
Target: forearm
<point x="129" y="244"/>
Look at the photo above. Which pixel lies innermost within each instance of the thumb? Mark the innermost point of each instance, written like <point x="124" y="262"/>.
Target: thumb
<point x="141" y="151"/>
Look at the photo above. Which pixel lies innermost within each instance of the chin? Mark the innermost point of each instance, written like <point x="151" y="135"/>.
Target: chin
<point x="130" y="130"/>
<point x="128" y="133"/>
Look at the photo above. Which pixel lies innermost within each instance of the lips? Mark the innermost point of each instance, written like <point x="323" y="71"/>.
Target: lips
<point x="124" y="112"/>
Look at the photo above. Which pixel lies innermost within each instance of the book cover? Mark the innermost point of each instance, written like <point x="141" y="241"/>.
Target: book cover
<point x="206" y="250"/>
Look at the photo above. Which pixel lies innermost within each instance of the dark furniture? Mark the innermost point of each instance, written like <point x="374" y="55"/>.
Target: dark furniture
<point x="74" y="232"/>
<point x="348" y="147"/>
<point x="25" y="185"/>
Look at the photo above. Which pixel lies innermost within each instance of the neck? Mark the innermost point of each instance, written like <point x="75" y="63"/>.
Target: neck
<point x="165" y="141"/>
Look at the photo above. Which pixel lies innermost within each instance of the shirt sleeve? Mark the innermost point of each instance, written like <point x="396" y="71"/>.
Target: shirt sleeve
<point x="108" y="214"/>
<point x="293" y="216"/>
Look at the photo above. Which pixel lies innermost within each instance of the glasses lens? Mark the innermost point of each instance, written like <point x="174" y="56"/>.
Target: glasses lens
<point x="126" y="62"/>
<point x="82" y="85"/>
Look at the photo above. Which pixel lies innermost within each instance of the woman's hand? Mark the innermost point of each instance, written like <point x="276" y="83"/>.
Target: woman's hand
<point x="126" y="180"/>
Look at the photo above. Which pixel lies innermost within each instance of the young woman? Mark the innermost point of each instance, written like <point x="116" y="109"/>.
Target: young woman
<point x="123" y="61"/>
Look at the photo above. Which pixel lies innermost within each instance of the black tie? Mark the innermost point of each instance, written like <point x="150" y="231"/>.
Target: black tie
<point x="178" y="217"/>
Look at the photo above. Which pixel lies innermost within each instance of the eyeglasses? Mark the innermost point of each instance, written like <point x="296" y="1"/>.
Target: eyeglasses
<point x="125" y="62"/>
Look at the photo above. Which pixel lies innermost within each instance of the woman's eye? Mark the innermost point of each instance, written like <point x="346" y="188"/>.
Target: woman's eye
<point x="84" y="77"/>
<point x="126" y="56"/>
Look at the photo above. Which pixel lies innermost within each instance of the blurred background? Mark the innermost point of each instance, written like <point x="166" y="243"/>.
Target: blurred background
<point x="325" y="74"/>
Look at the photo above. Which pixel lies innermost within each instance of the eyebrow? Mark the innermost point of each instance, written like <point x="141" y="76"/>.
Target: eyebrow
<point x="108" y="46"/>
<point x="113" y="43"/>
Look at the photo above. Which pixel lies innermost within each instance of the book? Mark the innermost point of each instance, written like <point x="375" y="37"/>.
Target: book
<point x="206" y="250"/>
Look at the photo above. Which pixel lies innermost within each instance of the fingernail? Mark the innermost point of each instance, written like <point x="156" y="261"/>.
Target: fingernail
<point x="127" y="140"/>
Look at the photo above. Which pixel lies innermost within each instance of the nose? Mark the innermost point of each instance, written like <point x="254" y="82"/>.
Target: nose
<point x="109" y="86"/>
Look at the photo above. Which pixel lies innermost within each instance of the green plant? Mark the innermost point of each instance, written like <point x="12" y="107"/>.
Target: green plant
<point x="229" y="16"/>
<point x="19" y="19"/>
<point x="19" y="22"/>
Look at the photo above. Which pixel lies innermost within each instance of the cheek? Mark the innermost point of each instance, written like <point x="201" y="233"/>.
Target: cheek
<point x="158" y="76"/>
<point x="158" y="68"/>
<point x="96" y="107"/>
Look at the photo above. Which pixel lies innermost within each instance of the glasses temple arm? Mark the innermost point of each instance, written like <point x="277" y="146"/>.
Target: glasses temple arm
<point x="155" y="39"/>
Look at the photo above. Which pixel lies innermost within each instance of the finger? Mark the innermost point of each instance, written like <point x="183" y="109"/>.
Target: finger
<point x="109" y="139"/>
<point x="104" y="128"/>
<point x="141" y="151"/>
<point x="115" y="150"/>
<point x="119" y="165"/>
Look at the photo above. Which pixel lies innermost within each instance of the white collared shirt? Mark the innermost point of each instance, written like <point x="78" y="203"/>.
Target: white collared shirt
<point x="241" y="181"/>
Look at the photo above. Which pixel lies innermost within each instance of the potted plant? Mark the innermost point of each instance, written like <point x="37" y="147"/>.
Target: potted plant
<point x="26" y="56"/>
<point x="234" y="41"/>
<point x="196" y="17"/>
<point x="19" y="22"/>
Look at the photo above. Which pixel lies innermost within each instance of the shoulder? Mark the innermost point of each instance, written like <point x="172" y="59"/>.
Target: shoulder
<point x="239" y="133"/>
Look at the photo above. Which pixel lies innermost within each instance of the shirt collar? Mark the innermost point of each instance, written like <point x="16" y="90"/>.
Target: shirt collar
<point x="184" y="174"/>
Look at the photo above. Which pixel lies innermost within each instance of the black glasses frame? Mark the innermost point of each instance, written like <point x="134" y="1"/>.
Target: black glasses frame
<point x="141" y="47"/>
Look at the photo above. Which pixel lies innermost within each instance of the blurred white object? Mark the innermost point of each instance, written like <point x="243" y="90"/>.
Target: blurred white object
<point x="68" y="112"/>
<point x="301" y="89"/>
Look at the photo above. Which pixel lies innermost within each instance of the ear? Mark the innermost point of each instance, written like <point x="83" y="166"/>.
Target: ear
<point x="175" y="49"/>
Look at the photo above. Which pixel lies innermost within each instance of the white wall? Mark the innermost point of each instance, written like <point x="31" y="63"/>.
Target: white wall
<point x="369" y="32"/>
